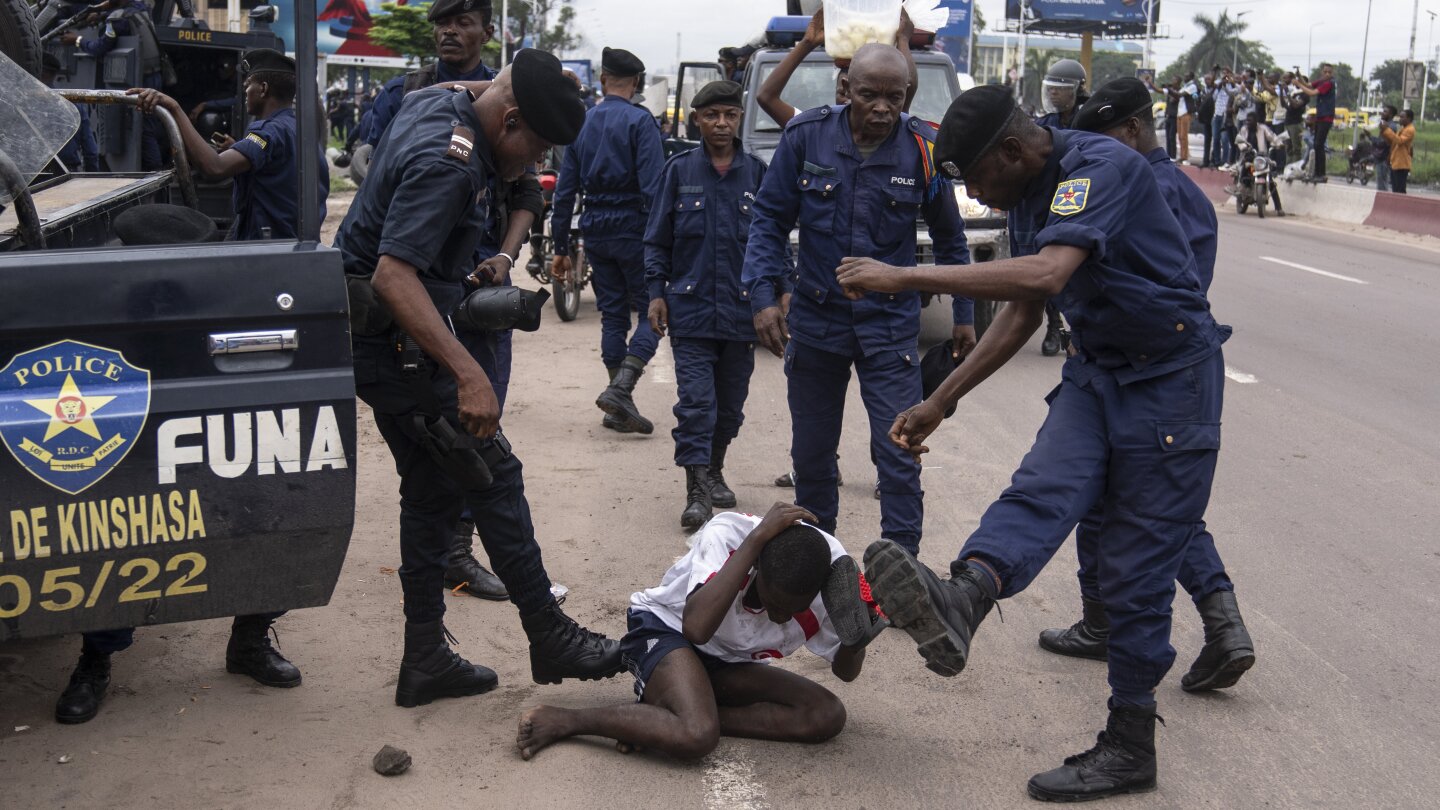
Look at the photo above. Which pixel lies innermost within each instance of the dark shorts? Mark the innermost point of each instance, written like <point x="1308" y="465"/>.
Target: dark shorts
<point x="648" y="640"/>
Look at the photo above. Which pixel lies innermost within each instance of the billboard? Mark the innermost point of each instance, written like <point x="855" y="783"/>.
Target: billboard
<point x="342" y="30"/>
<point x="953" y="38"/>
<point x="1077" y="16"/>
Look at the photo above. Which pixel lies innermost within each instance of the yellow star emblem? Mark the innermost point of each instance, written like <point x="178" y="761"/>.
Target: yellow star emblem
<point x="71" y="409"/>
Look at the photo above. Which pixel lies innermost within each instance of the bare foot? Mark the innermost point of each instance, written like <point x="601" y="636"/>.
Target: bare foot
<point x="539" y="727"/>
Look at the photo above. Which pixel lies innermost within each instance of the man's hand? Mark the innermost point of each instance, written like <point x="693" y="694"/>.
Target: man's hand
<point x="858" y="275"/>
<point x="151" y="98"/>
<point x="914" y="426"/>
<point x="770" y="328"/>
<point x="479" y="409"/>
<point x="780" y="517"/>
<point x="69" y="38"/>
<point x="906" y="30"/>
<point x="815" y="31"/>
<point x="785" y="303"/>
<point x="492" y="272"/>
<point x="560" y="267"/>
<point x="659" y="316"/>
<point x="965" y="340"/>
<point x="222" y="141"/>
<point x="196" y="111"/>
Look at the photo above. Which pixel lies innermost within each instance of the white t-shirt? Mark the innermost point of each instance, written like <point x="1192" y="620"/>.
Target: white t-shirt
<point x="744" y="635"/>
<point x="1191" y="91"/>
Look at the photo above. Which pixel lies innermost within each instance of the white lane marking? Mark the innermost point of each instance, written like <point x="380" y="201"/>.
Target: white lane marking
<point x="1325" y="273"/>
<point x="1239" y="376"/>
<point x="730" y="781"/>
<point x="662" y="368"/>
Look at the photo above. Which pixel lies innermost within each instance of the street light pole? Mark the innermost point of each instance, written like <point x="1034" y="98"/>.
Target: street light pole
<point x="1024" y="44"/>
<point x="1310" y="51"/>
<point x="504" y="34"/>
<point x="1425" y="84"/>
<point x="1150" y="33"/>
<point x="1364" y="57"/>
<point x="1235" y="60"/>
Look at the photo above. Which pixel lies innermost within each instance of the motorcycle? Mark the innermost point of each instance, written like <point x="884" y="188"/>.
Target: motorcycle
<point x="1361" y="162"/>
<point x="1251" y="179"/>
<point x="566" y="292"/>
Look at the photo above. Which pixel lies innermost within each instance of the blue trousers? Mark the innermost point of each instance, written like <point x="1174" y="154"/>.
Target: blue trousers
<point x="431" y="501"/>
<point x="889" y="383"/>
<point x="619" y="282"/>
<point x="1201" y="570"/>
<point x="1144" y="453"/>
<point x="713" y="378"/>
<point x="1219" y="141"/>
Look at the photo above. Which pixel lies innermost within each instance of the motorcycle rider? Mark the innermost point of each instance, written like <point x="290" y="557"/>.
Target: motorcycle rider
<point x="1254" y="139"/>
<point x="1062" y="92"/>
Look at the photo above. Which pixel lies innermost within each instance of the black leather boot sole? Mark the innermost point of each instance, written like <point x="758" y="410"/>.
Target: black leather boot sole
<point x="1041" y="794"/>
<point x="623" y="409"/>
<point x="542" y="674"/>
<point x="841" y="596"/>
<point x="1223" y="676"/>
<point x="492" y="590"/>
<point x="899" y="583"/>
<point x="423" y="695"/>
<point x="617" y="425"/>
<point x="1075" y="642"/>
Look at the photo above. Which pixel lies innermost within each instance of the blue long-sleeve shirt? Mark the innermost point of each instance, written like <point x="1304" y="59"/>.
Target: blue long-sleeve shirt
<point x="392" y="95"/>
<point x="616" y="161"/>
<point x="847" y="205"/>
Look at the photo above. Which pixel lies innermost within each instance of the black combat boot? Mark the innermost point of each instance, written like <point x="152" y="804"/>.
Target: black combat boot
<point x="618" y="399"/>
<point x="1051" y="345"/>
<point x="1228" y="650"/>
<point x="465" y="573"/>
<point x="697" y="496"/>
<point x="721" y="496"/>
<point x="250" y="653"/>
<point x="611" y="422"/>
<point x="431" y="670"/>
<point x="81" y="700"/>
<point x="1087" y="638"/>
<point x="939" y="614"/>
<point x="1122" y="761"/>
<point x="560" y="648"/>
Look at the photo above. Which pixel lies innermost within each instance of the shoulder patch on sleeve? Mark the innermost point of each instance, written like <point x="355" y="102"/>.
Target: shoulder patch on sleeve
<point x="1070" y="197"/>
<point x="255" y="136"/>
<point x="462" y="140"/>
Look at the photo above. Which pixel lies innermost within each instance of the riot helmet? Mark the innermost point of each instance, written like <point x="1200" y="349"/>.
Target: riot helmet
<point x="1061" y="90"/>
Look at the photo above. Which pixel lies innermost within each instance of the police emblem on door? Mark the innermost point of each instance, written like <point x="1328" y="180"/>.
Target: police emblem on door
<point x="1070" y="197"/>
<point x="70" y="412"/>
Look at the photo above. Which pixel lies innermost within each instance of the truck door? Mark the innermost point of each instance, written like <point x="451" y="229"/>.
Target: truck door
<point x="693" y="76"/>
<point x="179" y="434"/>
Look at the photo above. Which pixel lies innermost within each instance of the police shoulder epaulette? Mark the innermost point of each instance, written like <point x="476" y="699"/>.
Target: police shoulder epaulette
<point x="462" y="141"/>
<point x="678" y="155"/>
<point x="921" y="127"/>
<point x="811" y="115"/>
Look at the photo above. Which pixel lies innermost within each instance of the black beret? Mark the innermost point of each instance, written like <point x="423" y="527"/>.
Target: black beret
<point x="266" y="60"/>
<point x="546" y="97"/>
<point x="620" y="63"/>
<point x="971" y="126"/>
<point x="719" y="92"/>
<point x="1113" y="104"/>
<point x="935" y="366"/>
<point x="440" y="9"/>
<point x="162" y="224"/>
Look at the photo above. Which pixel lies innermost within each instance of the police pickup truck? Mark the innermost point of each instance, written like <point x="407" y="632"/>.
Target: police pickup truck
<point x="178" y="422"/>
<point x="813" y="85"/>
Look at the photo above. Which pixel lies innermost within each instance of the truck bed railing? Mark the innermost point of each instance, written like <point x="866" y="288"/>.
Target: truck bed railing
<point x="28" y="218"/>
<point x="183" y="177"/>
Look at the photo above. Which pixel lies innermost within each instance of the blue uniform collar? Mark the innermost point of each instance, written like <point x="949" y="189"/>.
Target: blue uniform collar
<point x="613" y="97"/>
<point x="886" y="154"/>
<point x="465" y="116"/>
<point x="703" y="154"/>
<point x="445" y="73"/>
<point x="1044" y="182"/>
<point x="1158" y="155"/>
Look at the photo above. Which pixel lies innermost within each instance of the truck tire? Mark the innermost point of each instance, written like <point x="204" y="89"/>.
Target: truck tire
<point x="19" y="38"/>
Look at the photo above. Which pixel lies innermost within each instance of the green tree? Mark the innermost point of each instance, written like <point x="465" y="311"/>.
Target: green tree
<point x="1106" y="67"/>
<point x="1219" y="43"/>
<point x="404" y="30"/>
<point x="551" y="22"/>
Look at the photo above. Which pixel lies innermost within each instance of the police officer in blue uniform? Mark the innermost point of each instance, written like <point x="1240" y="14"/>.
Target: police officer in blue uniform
<point x="408" y="243"/>
<point x="81" y="152"/>
<point x="1061" y="93"/>
<point x="265" y="163"/>
<point x="1122" y="110"/>
<point x="1134" y="425"/>
<point x="694" y="249"/>
<point x="461" y="28"/>
<point x="248" y="651"/>
<point x="616" y="164"/>
<point x="853" y="177"/>
<point x="128" y="18"/>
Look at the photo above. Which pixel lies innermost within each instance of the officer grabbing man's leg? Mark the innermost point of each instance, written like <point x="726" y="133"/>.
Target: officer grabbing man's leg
<point x="616" y="162"/>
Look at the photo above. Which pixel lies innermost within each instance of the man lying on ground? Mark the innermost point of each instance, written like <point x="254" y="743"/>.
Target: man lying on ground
<point x="698" y="644"/>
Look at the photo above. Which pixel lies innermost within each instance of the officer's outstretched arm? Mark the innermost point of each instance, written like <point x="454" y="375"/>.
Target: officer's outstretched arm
<point x="203" y="157"/>
<point x="397" y="282"/>
<point x="1026" y="278"/>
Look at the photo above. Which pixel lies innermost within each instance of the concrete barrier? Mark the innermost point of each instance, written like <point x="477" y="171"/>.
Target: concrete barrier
<point x="1339" y="202"/>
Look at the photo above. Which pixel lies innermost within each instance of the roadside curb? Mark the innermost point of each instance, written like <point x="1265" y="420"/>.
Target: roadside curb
<point x="1339" y="203"/>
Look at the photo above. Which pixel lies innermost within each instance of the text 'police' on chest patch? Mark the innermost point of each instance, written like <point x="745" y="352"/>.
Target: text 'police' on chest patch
<point x="1070" y="197"/>
<point x="462" y="140"/>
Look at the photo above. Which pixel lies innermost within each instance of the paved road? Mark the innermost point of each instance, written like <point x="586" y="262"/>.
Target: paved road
<point x="1324" y="510"/>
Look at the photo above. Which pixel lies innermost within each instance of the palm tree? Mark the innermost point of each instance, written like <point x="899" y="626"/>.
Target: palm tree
<point x="1216" y="45"/>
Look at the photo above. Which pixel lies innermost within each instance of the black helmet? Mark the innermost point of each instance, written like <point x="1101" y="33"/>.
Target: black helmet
<point x="1066" y="70"/>
<point x="492" y="309"/>
<point x="1062" y="90"/>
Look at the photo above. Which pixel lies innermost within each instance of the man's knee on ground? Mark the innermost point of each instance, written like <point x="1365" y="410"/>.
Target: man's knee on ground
<point x="822" y="718"/>
<point x="696" y="738"/>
